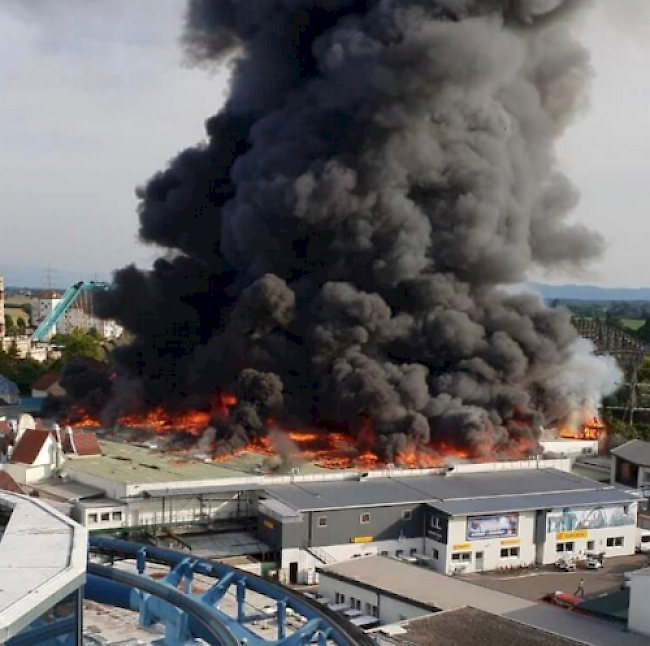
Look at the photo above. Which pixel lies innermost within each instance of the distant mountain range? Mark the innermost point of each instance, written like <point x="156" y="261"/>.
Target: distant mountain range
<point x="591" y="292"/>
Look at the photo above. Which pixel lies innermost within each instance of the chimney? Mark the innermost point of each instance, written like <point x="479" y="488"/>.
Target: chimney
<point x="2" y="310"/>
<point x="70" y="433"/>
<point x="58" y="448"/>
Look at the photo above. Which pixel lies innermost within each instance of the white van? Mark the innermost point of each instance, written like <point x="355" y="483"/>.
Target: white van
<point x="642" y="540"/>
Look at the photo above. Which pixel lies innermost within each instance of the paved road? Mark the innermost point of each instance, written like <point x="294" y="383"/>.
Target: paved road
<point x="543" y="581"/>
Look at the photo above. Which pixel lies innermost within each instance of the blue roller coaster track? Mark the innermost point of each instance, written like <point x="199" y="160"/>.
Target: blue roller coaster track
<point x="187" y="615"/>
<point x="73" y="293"/>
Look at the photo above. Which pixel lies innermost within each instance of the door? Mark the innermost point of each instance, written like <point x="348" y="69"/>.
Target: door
<point x="479" y="561"/>
<point x="293" y="572"/>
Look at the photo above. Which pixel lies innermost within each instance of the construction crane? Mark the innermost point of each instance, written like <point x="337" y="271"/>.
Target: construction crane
<point x="71" y="295"/>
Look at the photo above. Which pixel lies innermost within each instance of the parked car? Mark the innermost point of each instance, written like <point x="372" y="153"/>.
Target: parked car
<point x="594" y="563"/>
<point x="566" y="566"/>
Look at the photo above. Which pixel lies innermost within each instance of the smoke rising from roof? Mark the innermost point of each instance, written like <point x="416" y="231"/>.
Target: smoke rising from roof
<point x="380" y="169"/>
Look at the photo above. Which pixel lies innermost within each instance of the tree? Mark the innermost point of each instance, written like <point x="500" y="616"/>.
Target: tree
<point x="9" y="325"/>
<point x="79" y="344"/>
<point x="21" y="325"/>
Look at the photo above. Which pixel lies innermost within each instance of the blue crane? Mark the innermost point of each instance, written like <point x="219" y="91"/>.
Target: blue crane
<point x="66" y="302"/>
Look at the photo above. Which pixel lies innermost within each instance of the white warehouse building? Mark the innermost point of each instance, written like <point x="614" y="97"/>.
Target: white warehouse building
<point x="467" y="522"/>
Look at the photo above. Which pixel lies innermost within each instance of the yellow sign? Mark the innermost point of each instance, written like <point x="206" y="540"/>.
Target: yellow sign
<point x="362" y="539"/>
<point x="462" y="546"/>
<point x="268" y="524"/>
<point x="578" y="533"/>
<point x="511" y="541"/>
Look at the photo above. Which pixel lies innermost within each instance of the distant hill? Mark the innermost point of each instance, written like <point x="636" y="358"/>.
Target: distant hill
<point x="591" y="292"/>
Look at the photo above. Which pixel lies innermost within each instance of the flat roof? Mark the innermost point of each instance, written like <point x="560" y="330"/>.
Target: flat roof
<point x="533" y="502"/>
<point x="421" y="586"/>
<point x="130" y="464"/>
<point x="429" y="590"/>
<point x="507" y="485"/>
<point x="635" y="451"/>
<point x="42" y="560"/>
<point x="472" y="627"/>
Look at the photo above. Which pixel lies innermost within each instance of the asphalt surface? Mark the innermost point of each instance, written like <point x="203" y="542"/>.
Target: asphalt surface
<point x="545" y="580"/>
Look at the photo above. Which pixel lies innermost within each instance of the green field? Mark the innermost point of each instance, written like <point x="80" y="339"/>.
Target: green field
<point x="16" y="313"/>
<point x="633" y="324"/>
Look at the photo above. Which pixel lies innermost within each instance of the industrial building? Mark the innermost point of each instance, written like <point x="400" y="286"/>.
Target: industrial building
<point x="398" y="593"/>
<point x="453" y="521"/>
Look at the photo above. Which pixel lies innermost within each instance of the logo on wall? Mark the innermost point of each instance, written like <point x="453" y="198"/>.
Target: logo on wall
<point x="437" y="528"/>
<point x="481" y="527"/>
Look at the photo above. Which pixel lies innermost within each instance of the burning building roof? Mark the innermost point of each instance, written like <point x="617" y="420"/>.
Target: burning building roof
<point x="379" y="171"/>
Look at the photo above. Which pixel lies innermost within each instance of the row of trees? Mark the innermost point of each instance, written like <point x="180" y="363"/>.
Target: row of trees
<point x="17" y="327"/>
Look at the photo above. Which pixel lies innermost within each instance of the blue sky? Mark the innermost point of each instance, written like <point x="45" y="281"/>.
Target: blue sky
<point x="96" y="97"/>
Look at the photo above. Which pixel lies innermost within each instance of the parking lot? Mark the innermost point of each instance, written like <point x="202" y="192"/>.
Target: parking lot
<point x="537" y="583"/>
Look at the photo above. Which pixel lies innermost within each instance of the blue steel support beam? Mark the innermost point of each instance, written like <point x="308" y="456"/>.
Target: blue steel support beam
<point x="302" y="636"/>
<point x="217" y="592"/>
<point x="330" y="625"/>
<point x="282" y="619"/>
<point x="241" y="600"/>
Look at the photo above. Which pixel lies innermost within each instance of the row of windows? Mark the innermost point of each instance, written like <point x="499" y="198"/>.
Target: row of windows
<point x="365" y="518"/>
<point x="569" y="546"/>
<point x="370" y="609"/>
<point x="105" y="517"/>
<point x="466" y="557"/>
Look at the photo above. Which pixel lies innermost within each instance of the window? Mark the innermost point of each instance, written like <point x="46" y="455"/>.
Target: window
<point x="384" y="553"/>
<point x="591" y="546"/>
<point x="407" y="514"/>
<point x="645" y="539"/>
<point x="399" y="553"/>
<point x="510" y="553"/>
<point x="340" y="598"/>
<point x="615" y="542"/>
<point x="375" y="611"/>
<point x="322" y="521"/>
<point x="368" y="608"/>
<point x="414" y="551"/>
<point x="564" y="547"/>
<point x="353" y="602"/>
<point x="435" y="553"/>
<point x="117" y="515"/>
<point x="435" y="522"/>
<point x="461" y="556"/>
<point x="357" y="604"/>
<point x="365" y="519"/>
<point x="92" y="518"/>
<point x="106" y="517"/>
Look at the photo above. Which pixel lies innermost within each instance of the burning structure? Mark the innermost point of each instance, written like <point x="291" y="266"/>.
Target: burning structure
<point x="335" y="251"/>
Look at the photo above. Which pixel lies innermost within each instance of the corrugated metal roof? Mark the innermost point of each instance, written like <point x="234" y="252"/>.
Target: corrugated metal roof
<point x="203" y="491"/>
<point x="416" y="489"/>
<point x="532" y="502"/>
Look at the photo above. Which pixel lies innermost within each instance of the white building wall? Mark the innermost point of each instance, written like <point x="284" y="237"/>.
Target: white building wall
<point x="490" y="548"/>
<point x="639" y="615"/>
<point x="389" y="610"/>
<point x="307" y="562"/>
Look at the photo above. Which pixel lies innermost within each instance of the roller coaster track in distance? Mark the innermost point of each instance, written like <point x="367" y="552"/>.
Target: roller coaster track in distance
<point x="187" y="616"/>
<point x="611" y="340"/>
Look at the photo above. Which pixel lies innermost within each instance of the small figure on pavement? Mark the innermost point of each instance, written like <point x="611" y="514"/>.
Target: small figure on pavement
<point x="580" y="592"/>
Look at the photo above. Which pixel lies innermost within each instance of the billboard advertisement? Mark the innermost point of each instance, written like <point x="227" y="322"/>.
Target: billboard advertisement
<point x="572" y="519"/>
<point x="481" y="527"/>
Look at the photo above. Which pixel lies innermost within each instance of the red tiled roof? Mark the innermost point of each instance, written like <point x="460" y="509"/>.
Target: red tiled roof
<point x="47" y="380"/>
<point x="29" y="446"/>
<point x="85" y="443"/>
<point x="7" y="483"/>
<point x="4" y="426"/>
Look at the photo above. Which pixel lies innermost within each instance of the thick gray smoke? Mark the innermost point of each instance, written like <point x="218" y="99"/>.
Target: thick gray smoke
<point x="380" y="169"/>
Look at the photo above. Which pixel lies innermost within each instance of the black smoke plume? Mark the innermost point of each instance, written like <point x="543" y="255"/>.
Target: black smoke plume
<point x="335" y="251"/>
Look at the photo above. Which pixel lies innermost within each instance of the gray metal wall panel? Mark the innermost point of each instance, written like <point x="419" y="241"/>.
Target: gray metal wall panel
<point x="386" y="523"/>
